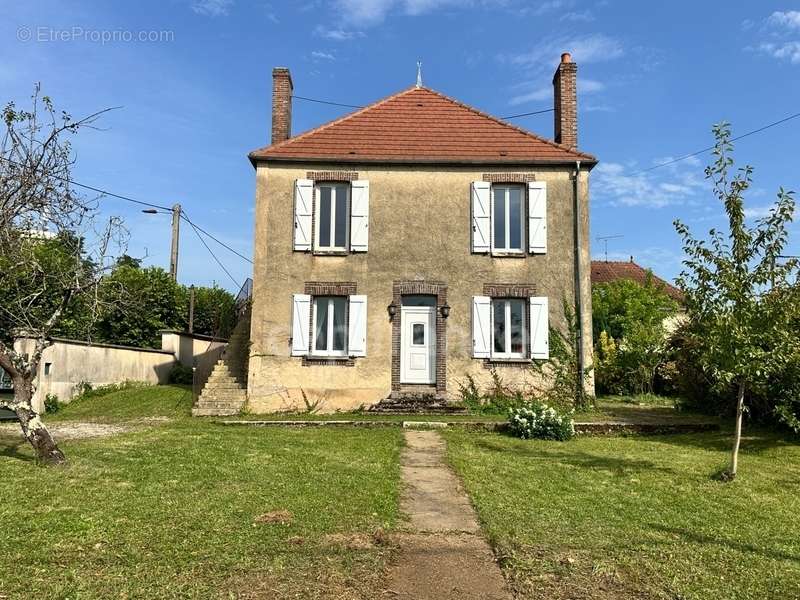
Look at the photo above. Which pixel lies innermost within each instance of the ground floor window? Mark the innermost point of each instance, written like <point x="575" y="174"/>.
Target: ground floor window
<point x="508" y="328"/>
<point x="330" y="326"/>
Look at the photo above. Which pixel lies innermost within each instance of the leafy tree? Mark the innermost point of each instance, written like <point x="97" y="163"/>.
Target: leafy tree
<point x="739" y="294"/>
<point x="46" y="262"/>
<point x="214" y="309"/>
<point x="630" y="337"/>
<point x="153" y="301"/>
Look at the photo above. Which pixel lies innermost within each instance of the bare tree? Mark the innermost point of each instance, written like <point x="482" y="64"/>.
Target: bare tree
<point x="53" y="248"/>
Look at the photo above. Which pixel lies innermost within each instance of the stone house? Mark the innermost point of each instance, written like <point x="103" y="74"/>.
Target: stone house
<point x="410" y="243"/>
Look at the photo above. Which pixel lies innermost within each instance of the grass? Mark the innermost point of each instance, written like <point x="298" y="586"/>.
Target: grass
<point x="169" y="509"/>
<point x="129" y="403"/>
<point x="637" y="517"/>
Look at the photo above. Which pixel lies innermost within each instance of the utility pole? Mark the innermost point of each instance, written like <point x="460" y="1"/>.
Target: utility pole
<point x="176" y="228"/>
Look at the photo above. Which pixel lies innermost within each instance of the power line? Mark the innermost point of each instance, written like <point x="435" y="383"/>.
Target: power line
<point x="704" y="150"/>
<point x="220" y="242"/>
<point x="326" y="102"/>
<point x="536" y="112"/>
<point x="92" y="188"/>
<point x="211" y="252"/>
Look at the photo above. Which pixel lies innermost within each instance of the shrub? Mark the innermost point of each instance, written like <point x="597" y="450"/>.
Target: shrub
<point x="496" y="400"/>
<point x="540" y="421"/>
<point x="181" y="375"/>
<point x="51" y="404"/>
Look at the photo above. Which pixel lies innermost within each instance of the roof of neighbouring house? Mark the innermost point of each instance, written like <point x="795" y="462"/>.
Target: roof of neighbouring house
<point x="421" y="125"/>
<point x="604" y="271"/>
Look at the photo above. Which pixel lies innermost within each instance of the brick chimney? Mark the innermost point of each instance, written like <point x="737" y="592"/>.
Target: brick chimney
<point x="281" y="104"/>
<point x="565" y="102"/>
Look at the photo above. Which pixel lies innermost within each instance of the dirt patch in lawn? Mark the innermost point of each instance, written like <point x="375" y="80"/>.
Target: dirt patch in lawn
<point x="539" y="573"/>
<point x="71" y="431"/>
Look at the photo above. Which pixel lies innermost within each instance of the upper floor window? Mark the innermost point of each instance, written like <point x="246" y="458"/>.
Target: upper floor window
<point x="331" y="216"/>
<point x="508" y="215"/>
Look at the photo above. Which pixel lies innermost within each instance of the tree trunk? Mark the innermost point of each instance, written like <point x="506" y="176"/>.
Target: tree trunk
<point x="737" y="436"/>
<point x="33" y="428"/>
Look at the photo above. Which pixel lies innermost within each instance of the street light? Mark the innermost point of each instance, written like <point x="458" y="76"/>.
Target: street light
<point x="176" y="226"/>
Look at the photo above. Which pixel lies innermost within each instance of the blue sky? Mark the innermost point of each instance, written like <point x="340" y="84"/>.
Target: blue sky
<point x="653" y="78"/>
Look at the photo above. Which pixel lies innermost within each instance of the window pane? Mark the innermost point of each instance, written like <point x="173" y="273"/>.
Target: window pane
<point x="419" y="334"/>
<point x="517" y="325"/>
<point x="322" y="324"/>
<point x="338" y="323"/>
<point x="499" y="326"/>
<point x="515" y="218"/>
<point x="324" y="224"/>
<point x="499" y="217"/>
<point x="341" y="216"/>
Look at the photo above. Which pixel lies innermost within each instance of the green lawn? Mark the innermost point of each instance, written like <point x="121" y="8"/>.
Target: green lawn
<point x="169" y="509"/>
<point x="637" y="517"/>
<point x="137" y="402"/>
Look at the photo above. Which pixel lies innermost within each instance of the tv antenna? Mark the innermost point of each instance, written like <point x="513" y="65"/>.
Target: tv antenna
<point x="604" y="239"/>
<point x="419" y="73"/>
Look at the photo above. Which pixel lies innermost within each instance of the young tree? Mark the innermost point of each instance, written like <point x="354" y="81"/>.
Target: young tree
<point x="738" y="290"/>
<point x="53" y="249"/>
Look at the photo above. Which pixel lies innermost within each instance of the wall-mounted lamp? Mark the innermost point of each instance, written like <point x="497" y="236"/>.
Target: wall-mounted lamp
<point x="445" y="310"/>
<point x="392" y="310"/>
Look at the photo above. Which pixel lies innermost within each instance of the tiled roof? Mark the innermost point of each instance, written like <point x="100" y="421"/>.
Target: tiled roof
<point x="607" y="271"/>
<point x="420" y="125"/>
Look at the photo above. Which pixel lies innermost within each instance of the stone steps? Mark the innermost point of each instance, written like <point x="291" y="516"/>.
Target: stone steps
<point x="417" y="404"/>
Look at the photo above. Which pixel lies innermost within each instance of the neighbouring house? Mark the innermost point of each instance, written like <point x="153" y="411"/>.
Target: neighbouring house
<point x="606" y="271"/>
<point x="409" y="244"/>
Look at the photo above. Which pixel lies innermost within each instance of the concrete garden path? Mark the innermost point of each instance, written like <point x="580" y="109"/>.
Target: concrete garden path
<point x="442" y="555"/>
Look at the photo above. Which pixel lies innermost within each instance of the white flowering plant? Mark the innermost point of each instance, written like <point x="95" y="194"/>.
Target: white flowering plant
<point x="537" y="420"/>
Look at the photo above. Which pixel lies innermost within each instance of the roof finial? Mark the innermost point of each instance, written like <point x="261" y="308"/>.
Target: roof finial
<point x="419" y="73"/>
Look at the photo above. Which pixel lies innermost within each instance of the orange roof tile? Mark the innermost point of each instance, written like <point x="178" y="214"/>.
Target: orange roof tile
<point x="420" y="125"/>
<point x="607" y="271"/>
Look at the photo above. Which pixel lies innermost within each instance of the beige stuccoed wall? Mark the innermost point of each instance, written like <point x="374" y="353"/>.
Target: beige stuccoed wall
<point x="419" y="230"/>
<point x="74" y="362"/>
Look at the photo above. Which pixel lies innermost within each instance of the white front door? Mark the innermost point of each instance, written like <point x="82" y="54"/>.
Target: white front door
<point x="417" y="344"/>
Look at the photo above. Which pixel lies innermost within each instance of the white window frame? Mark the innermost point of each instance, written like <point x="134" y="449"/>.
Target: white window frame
<point x="522" y="217"/>
<point x="333" y="185"/>
<point x="329" y="351"/>
<point x="506" y="307"/>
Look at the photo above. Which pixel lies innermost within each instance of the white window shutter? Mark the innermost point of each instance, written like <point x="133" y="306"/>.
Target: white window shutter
<point x="301" y="323"/>
<point x="481" y="215"/>
<point x="303" y="200"/>
<point x="537" y="217"/>
<point x="359" y="215"/>
<point x="481" y="326"/>
<point x="540" y="328"/>
<point x="357" y="326"/>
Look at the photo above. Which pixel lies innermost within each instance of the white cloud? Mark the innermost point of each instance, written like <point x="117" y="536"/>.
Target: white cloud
<point x="337" y="35"/>
<point x="366" y="13"/>
<point x="319" y="55"/>
<point x="584" y="16"/>
<point x="789" y="19"/>
<point x="757" y="212"/>
<point x="619" y="185"/>
<point x="783" y="51"/>
<point x="212" y="8"/>
<point x="545" y="92"/>
<point x="596" y="47"/>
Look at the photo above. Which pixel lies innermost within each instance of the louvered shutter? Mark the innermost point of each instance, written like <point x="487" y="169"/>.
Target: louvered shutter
<point x="481" y="216"/>
<point x="359" y="216"/>
<point x="481" y="326"/>
<point x="303" y="195"/>
<point x="537" y="217"/>
<point x="540" y="328"/>
<point x="301" y="323"/>
<point x="357" y="326"/>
